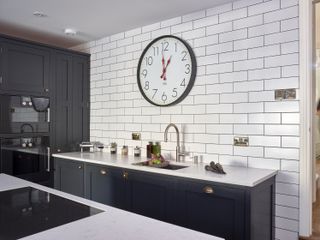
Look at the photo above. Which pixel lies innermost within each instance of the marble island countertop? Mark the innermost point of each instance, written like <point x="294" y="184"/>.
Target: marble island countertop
<point x="112" y="224"/>
<point x="241" y="176"/>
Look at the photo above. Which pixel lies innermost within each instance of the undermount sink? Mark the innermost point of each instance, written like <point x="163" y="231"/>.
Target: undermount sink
<point x="168" y="167"/>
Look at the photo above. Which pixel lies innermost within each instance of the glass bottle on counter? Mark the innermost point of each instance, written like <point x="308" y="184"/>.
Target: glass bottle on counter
<point x="113" y="148"/>
<point x="149" y="149"/>
<point x="124" y="150"/>
<point x="137" y="151"/>
<point x="156" y="149"/>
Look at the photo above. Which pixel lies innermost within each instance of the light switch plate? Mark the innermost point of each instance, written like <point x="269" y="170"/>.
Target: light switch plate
<point x="136" y="136"/>
<point x="285" y="94"/>
<point x="241" y="141"/>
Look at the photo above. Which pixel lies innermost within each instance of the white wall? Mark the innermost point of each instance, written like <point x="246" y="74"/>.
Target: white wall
<point x="245" y="51"/>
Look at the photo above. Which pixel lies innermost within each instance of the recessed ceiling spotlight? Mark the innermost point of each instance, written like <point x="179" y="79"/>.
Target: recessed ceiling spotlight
<point x="39" y="14"/>
<point x="70" y="32"/>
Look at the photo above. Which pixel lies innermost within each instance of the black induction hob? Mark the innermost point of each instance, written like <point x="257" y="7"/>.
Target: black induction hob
<point x="26" y="211"/>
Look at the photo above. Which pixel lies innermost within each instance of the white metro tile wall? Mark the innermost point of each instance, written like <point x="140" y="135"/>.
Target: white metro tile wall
<point x="245" y="50"/>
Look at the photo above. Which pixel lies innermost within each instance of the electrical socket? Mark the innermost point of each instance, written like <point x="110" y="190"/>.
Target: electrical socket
<point x="241" y="141"/>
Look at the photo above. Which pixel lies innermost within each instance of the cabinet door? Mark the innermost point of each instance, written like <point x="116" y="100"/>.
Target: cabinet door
<point x="80" y="101"/>
<point x="69" y="177"/>
<point x="151" y="195"/>
<point x="106" y="185"/>
<point x="216" y="210"/>
<point x="26" y="68"/>
<point x="62" y="118"/>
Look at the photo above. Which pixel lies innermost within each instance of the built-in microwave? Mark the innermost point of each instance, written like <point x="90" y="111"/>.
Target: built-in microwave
<point x="24" y="114"/>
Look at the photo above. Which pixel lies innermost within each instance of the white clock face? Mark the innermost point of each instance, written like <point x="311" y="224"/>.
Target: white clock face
<point x="166" y="71"/>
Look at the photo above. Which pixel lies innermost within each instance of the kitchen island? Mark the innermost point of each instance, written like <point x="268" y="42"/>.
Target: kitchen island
<point x="110" y="223"/>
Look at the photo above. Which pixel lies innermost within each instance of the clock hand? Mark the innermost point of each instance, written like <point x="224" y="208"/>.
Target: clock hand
<point x="165" y="70"/>
<point x="163" y="66"/>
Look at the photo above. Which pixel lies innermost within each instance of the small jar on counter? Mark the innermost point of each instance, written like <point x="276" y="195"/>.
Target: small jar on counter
<point x="149" y="149"/>
<point x="137" y="151"/>
<point x="124" y="150"/>
<point x="113" y="148"/>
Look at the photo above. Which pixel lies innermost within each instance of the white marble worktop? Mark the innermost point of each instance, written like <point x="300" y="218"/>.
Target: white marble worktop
<point x="241" y="176"/>
<point x="112" y="224"/>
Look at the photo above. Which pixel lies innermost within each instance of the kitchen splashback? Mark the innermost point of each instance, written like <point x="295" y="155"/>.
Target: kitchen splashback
<point x="245" y="51"/>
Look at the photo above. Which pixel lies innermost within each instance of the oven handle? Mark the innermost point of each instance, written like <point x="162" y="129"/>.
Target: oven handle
<point x="48" y="115"/>
<point x="48" y="159"/>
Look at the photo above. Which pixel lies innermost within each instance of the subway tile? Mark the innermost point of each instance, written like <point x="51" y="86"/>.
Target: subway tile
<point x="233" y="118"/>
<point x="219" y="68"/>
<point x="291" y="106"/>
<point x="283" y="153"/>
<point x="233" y="77"/>
<point x="248" y="129"/>
<point x="232" y="36"/>
<point x="204" y="22"/>
<point x="265" y="141"/>
<point x="265" y="7"/>
<point x="248" y="64"/>
<point x="248" y="86"/>
<point x="233" y="15"/>
<point x="245" y="3"/>
<point x="233" y="97"/>
<point x="248" y="22"/>
<point x="204" y="41"/>
<point x="282" y="130"/>
<point x="265" y="118"/>
<point x="219" y="48"/>
<point x="293" y="142"/>
<point x="248" y="43"/>
<point x="264" y="29"/>
<point x="233" y="56"/>
<point x="282" y="14"/>
<point x="219" y="28"/>
<point x="248" y="151"/>
<point x="273" y="164"/>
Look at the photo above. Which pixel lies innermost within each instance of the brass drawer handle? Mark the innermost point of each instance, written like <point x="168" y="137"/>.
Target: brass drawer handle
<point x="103" y="172"/>
<point x="208" y="190"/>
<point x="125" y="175"/>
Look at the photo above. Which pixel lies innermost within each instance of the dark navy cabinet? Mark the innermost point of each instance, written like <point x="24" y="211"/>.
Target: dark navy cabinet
<point x="69" y="177"/>
<point x="213" y="209"/>
<point x="223" y="210"/>
<point x="107" y="185"/>
<point x="70" y="125"/>
<point x="26" y="68"/>
<point x="152" y="195"/>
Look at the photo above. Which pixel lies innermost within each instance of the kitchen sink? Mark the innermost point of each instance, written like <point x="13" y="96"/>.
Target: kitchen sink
<point x="168" y="167"/>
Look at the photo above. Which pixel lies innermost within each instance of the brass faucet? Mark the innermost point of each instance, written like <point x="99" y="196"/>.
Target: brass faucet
<point x="178" y="152"/>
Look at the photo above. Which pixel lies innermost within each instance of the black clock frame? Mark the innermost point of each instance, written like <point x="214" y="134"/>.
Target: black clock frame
<point x="192" y="77"/>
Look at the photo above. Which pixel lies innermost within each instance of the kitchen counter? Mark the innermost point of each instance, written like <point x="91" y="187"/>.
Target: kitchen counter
<point x="240" y="176"/>
<point x="112" y="224"/>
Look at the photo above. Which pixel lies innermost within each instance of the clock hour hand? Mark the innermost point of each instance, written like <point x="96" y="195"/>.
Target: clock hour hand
<point x="164" y="73"/>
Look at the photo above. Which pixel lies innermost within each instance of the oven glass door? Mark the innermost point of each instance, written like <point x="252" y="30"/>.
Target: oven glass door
<point x="19" y="114"/>
<point x="26" y="158"/>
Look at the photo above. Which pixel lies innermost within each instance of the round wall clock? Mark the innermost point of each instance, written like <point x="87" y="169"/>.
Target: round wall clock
<point x="166" y="71"/>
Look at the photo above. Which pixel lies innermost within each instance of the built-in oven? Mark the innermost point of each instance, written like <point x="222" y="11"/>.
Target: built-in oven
<point x="24" y="114"/>
<point x="27" y="158"/>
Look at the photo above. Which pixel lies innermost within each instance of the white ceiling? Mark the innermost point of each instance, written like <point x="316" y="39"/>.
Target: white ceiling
<point x="93" y="19"/>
